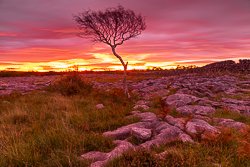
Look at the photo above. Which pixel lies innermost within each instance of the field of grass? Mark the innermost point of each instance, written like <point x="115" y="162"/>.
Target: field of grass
<point x="53" y="127"/>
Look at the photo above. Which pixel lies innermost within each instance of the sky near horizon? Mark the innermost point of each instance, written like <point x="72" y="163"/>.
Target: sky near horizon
<point x="40" y="35"/>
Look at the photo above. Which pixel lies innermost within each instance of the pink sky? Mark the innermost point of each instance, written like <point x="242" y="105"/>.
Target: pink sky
<point x="41" y="34"/>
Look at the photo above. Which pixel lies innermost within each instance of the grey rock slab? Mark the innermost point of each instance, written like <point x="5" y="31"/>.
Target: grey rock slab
<point x="198" y="126"/>
<point x="141" y="133"/>
<point x="195" y="109"/>
<point x="102" y="158"/>
<point x="232" y="101"/>
<point x="218" y="120"/>
<point x="159" y="126"/>
<point x="178" y="100"/>
<point x="121" y="147"/>
<point x="207" y="119"/>
<point x="166" y="135"/>
<point x="177" y="122"/>
<point x="185" y="138"/>
<point x="148" y="117"/>
<point x="233" y="125"/>
<point x="125" y="131"/>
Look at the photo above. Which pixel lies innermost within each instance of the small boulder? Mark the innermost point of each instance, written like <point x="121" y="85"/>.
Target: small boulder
<point x="166" y="135"/>
<point x="178" y="100"/>
<point x="234" y="125"/>
<point x="185" y="138"/>
<point x="100" y="106"/>
<point x="148" y="117"/>
<point x="196" y="127"/>
<point x="102" y="158"/>
<point x="125" y="131"/>
<point x="121" y="147"/>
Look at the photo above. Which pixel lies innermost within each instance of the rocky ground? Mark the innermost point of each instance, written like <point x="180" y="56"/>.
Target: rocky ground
<point x="193" y="95"/>
<point x="31" y="83"/>
<point x="189" y="94"/>
<point x="25" y="84"/>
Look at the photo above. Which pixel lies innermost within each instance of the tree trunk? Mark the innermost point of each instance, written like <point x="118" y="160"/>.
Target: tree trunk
<point x="125" y="86"/>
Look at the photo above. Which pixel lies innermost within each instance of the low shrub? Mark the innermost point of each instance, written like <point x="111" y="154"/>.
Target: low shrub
<point x="72" y="84"/>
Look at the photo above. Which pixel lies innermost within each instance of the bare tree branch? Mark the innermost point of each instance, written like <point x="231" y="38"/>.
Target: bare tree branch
<point x="112" y="27"/>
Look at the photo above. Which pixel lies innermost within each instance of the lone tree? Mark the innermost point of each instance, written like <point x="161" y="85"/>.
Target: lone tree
<point x="112" y="26"/>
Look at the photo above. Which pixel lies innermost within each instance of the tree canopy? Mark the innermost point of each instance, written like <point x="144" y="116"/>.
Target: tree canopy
<point x="112" y="26"/>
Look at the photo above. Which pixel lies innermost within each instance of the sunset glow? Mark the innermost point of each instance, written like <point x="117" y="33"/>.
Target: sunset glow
<point x="41" y="35"/>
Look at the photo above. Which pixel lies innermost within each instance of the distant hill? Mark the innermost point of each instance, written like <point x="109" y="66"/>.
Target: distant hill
<point x="227" y="66"/>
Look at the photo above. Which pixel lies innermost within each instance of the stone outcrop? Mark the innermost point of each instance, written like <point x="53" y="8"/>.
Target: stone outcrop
<point x="196" y="127"/>
<point x="195" y="109"/>
<point x="230" y="123"/>
<point x="100" y="159"/>
<point x="182" y="129"/>
<point x="125" y="131"/>
<point x="153" y="132"/>
<point x="25" y="84"/>
<point x="196" y="98"/>
<point x="178" y="100"/>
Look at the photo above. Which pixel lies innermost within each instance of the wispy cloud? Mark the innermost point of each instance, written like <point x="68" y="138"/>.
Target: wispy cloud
<point x="39" y="34"/>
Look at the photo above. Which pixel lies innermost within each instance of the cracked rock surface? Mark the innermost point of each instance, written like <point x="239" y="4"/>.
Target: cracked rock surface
<point x="187" y="100"/>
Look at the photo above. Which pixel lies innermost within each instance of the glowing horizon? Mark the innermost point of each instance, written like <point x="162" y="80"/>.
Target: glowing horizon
<point x="65" y="65"/>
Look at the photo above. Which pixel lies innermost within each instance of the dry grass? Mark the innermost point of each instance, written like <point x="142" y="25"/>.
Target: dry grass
<point x="53" y="128"/>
